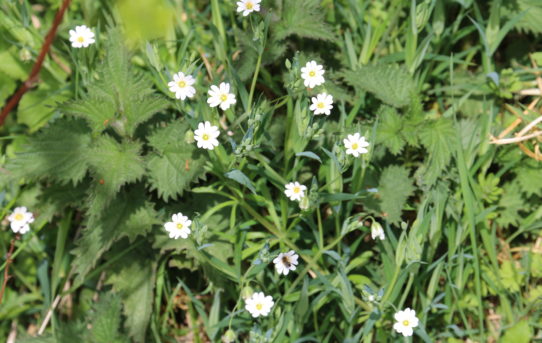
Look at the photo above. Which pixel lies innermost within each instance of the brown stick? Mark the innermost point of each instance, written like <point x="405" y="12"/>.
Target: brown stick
<point x="8" y="263"/>
<point x="33" y="77"/>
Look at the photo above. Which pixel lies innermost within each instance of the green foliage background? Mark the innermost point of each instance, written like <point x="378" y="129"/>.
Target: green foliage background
<point x="103" y="154"/>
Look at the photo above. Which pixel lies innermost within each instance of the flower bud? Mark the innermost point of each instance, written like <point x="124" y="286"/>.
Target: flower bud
<point x="229" y="336"/>
<point x="246" y="292"/>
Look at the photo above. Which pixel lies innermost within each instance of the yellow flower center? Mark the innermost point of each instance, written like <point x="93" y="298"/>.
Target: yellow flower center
<point x="249" y="5"/>
<point x="406" y="323"/>
<point x="179" y="226"/>
<point x="355" y="146"/>
<point x="312" y="73"/>
<point x="19" y="217"/>
<point x="223" y="97"/>
<point x="205" y="137"/>
<point x="320" y="105"/>
<point x="297" y="189"/>
<point x="81" y="39"/>
<point x="259" y="307"/>
<point x="181" y="84"/>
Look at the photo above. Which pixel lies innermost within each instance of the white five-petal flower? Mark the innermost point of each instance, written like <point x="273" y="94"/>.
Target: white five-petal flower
<point x="179" y="226"/>
<point x="377" y="231"/>
<point x="406" y="321"/>
<point x="259" y="304"/>
<point x="182" y="86"/>
<point x="322" y="104"/>
<point x="248" y="6"/>
<point x="81" y="37"/>
<point x="313" y="74"/>
<point x="221" y="96"/>
<point x="295" y="191"/>
<point x="355" y="144"/>
<point x="206" y="136"/>
<point x="285" y="262"/>
<point x="20" y="219"/>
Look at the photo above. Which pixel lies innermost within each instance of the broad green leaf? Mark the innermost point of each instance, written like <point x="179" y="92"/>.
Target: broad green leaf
<point x="521" y="332"/>
<point x="38" y="106"/>
<point x="389" y="130"/>
<point x="395" y="186"/>
<point x="437" y="137"/>
<point x="303" y="18"/>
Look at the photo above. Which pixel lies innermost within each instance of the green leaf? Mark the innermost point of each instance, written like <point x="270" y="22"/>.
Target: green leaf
<point x="60" y="152"/>
<point x="240" y="177"/>
<point x="521" y="332"/>
<point x="389" y="130"/>
<point x="303" y="18"/>
<point x="395" y="187"/>
<point x="388" y="82"/>
<point x="436" y="137"/>
<point x="174" y="164"/>
<point x="133" y="279"/>
<point x="528" y="177"/>
<point x="532" y="10"/>
<point x="510" y="204"/>
<point x="106" y="320"/>
<point x="38" y="106"/>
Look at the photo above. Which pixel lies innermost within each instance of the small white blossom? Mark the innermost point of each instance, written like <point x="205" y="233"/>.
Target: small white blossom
<point x="286" y="262"/>
<point x="406" y="321"/>
<point x="179" y="226"/>
<point x="259" y="304"/>
<point x="248" y="6"/>
<point x="313" y="74"/>
<point x="81" y="37"/>
<point x="377" y="231"/>
<point x="322" y="104"/>
<point x="182" y="86"/>
<point x="20" y="219"/>
<point x="355" y="145"/>
<point x="206" y="135"/>
<point x="221" y="96"/>
<point x="295" y="191"/>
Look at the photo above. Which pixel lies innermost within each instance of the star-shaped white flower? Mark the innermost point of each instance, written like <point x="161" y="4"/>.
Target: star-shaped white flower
<point x="206" y="136"/>
<point x="355" y="144"/>
<point x="406" y="321"/>
<point x="20" y="219"/>
<point x="285" y="262"/>
<point x="221" y="96"/>
<point x="248" y="6"/>
<point x="322" y="104"/>
<point x="81" y="37"/>
<point x="182" y="86"/>
<point x="313" y="74"/>
<point x="259" y="304"/>
<point x="179" y="226"/>
<point x="295" y="191"/>
<point x="377" y="231"/>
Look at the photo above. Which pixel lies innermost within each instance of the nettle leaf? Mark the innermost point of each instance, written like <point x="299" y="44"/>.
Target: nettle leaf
<point x="303" y="18"/>
<point x="174" y="163"/>
<point x="394" y="188"/>
<point x="60" y="152"/>
<point x="128" y="215"/>
<point x="436" y="137"/>
<point x="390" y="83"/>
<point x="528" y="177"/>
<point x="133" y="280"/>
<point x="532" y="12"/>
<point x="106" y="320"/>
<point x="389" y="130"/>
<point x="510" y="204"/>
<point x="113" y="165"/>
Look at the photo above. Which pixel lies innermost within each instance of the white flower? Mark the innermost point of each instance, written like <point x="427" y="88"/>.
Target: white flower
<point x="295" y="191"/>
<point x="248" y="6"/>
<point x="406" y="320"/>
<point x="259" y="304"/>
<point x="182" y="86"/>
<point x="322" y="104"/>
<point x="221" y="96"/>
<point x="81" y="37"/>
<point x="286" y="262"/>
<point x="377" y="231"/>
<point x="206" y="135"/>
<point x="179" y="226"/>
<point x="355" y="145"/>
<point x="313" y="74"/>
<point x="20" y="219"/>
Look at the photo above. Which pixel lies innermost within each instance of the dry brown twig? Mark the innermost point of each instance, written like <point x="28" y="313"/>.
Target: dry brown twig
<point x="8" y="263"/>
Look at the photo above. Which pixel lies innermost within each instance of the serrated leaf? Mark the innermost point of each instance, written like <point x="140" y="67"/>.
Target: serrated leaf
<point x="128" y="215"/>
<point x="436" y="137"/>
<point x="388" y="82"/>
<point x="60" y="152"/>
<point x="303" y="18"/>
<point x="106" y="320"/>
<point x="528" y="177"/>
<point x="133" y="280"/>
<point x="389" y="130"/>
<point x="395" y="187"/>
<point x="241" y="178"/>
<point x="532" y="10"/>
<point x="175" y="163"/>
<point x="510" y="204"/>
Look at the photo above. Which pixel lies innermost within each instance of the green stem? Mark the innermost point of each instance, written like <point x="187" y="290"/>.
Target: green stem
<point x="254" y="79"/>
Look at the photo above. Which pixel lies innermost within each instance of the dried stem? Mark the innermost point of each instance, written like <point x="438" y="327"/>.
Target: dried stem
<point x="8" y="263"/>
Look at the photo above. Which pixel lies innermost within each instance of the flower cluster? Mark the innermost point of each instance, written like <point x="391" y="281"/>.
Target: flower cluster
<point x="20" y="220"/>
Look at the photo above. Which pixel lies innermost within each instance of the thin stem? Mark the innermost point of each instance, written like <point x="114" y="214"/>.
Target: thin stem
<point x="254" y="79"/>
<point x="9" y="261"/>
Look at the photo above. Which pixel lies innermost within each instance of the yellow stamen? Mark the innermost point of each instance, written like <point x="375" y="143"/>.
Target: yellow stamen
<point x="259" y="307"/>
<point x="355" y="146"/>
<point x="297" y="189"/>
<point x="249" y="5"/>
<point x="320" y="105"/>
<point x="205" y="137"/>
<point x="406" y="322"/>
<point x="223" y="97"/>
<point x="81" y="39"/>
<point x="179" y="226"/>
<point x="19" y="217"/>
<point x="312" y="73"/>
<point x="181" y="84"/>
